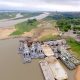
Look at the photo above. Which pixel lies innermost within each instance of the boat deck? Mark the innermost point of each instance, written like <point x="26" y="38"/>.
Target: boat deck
<point x="46" y="70"/>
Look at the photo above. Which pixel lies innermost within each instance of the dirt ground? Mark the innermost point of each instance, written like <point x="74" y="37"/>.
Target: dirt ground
<point x="77" y="76"/>
<point x="29" y="34"/>
<point x="45" y="28"/>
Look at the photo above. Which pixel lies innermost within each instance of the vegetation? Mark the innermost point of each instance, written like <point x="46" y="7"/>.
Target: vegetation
<point x="7" y="15"/>
<point x="75" y="46"/>
<point x="76" y="27"/>
<point x="29" y="14"/>
<point x="49" y="37"/>
<point x="67" y="15"/>
<point x="25" y="27"/>
<point x="64" y="25"/>
<point x="67" y="24"/>
<point x="65" y="20"/>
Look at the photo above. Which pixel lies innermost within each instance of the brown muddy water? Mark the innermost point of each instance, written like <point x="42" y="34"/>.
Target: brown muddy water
<point x="12" y="67"/>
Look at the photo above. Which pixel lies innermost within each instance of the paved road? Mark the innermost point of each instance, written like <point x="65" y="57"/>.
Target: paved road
<point x="11" y="23"/>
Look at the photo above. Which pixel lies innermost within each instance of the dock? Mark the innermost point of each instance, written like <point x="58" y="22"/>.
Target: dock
<point x="47" y="50"/>
<point x="46" y="70"/>
<point x="57" y="69"/>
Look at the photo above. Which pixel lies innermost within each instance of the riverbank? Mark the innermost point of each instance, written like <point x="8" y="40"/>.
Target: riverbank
<point x="5" y="32"/>
<point x="44" y="28"/>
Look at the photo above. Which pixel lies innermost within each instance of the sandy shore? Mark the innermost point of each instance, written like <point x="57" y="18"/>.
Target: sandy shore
<point x="44" y="28"/>
<point x="5" y="32"/>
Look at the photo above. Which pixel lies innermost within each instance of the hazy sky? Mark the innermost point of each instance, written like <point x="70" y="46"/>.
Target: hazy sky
<point x="41" y="5"/>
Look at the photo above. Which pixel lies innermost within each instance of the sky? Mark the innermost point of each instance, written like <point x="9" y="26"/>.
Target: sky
<point x="40" y="5"/>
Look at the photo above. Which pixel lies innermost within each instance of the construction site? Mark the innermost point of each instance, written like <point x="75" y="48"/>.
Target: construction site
<point x="50" y="52"/>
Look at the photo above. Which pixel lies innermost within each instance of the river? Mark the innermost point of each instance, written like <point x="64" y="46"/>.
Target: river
<point x="11" y="23"/>
<point x="12" y="67"/>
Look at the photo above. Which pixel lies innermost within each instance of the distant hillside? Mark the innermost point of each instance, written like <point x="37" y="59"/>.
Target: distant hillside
<point x="68" y="15"/>
<point x="8" y="15"/>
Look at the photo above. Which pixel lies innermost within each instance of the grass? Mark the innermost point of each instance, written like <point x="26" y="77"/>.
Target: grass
<point x="25" y="27"/>
<point x="49" y="37"/>
<point x="75" y="46"/>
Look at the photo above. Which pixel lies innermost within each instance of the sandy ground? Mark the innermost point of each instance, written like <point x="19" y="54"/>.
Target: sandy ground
<point x="49" y="31"/>
<point x="29" y="34"/>
<point x="44" y="28"/>
<point x="47" y="28"/>
<point x="77" y="77"/>
<point x="5" y="32"/>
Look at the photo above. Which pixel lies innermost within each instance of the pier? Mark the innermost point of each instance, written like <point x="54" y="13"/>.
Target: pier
<point x="56" y="68"/>
<point x="46" y="70"/>
<point x="47" y="50"/>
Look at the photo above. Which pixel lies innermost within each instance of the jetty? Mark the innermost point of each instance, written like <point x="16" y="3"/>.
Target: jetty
<point x="47" y="50"/>
<point x="56" y="68"/>
<point x="48" y="75"/>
